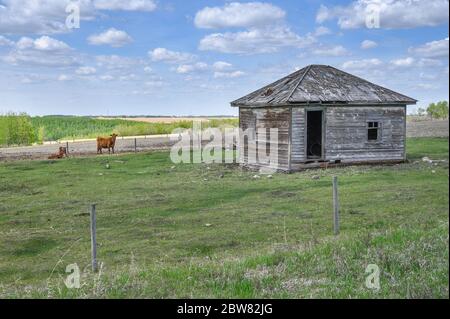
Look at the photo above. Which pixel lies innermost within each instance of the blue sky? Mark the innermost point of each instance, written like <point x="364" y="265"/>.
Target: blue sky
<point x="145" y="57"/>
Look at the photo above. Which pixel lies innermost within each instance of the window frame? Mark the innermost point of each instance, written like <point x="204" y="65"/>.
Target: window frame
<point x="377" y="128"/>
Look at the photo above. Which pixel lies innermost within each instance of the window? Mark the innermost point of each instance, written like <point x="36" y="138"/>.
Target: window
<point x="373" y="131"/>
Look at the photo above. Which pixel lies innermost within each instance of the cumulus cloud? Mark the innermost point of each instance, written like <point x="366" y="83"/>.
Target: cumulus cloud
<point x="393" y="13"/>
<point x="361" y="64"/>
<point x="86" y="70"/>
<point x="39" y="16"/>
<point x="63" y="77"/>
<point x="5" y="41"/>
<point x="228" y="75"/>
<point x="254" y="41"/>
<point x="117" y="62"/>
<point x="49" y="16"/>
<point x="405" y="62"/>
<point x="220" y="66"/>
<point x="167" y="56"/>
<point x="433" y="49"/>
<point x="235" y="14"/>
<point x="188" y="68"/>
<point x="106" y="77"/>
<point x="126" y="5"/>
<point x="426" y="62"/>
<point x="43" y="51"/>
<point x="43" y="43"/>
<point x="113" y="37"/>
<point x="368" y="44"/>
<point x="338" y="50"/>
<point x="321" y="31"/>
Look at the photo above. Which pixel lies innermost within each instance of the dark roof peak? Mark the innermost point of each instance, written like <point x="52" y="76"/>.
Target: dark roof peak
<point x="319" y="83"/>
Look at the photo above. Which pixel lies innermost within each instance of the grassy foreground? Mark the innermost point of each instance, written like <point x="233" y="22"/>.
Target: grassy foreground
<point x="215" y="231"/>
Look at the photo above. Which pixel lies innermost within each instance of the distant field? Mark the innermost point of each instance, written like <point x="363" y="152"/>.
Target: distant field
<point x="167" y="119"/>
<point x="198" y="231"/>
<point x="74" y="127"/>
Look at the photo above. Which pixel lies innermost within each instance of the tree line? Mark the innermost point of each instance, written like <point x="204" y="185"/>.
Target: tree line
<point x="437" y="110"/>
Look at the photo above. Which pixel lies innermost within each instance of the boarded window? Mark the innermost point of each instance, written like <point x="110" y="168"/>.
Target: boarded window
<point x="373" y="131"/>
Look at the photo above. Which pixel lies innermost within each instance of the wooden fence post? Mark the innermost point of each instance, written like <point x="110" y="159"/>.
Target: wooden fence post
<point x="67" y="148"/>
<point x="94" y="238"/>
<point x="135" y="145"/>
<point x="335" y="205"/>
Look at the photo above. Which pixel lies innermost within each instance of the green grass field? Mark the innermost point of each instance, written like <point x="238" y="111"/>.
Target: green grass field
<point x="78" y="127"/>
<point x="199" y="230"/>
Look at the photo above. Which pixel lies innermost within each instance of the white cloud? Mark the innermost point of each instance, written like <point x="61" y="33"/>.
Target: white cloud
<point x="126" y="5"/>
<point x="86" y="70"/>
<point x="63" y="77"/>
<point x="46" y="43"/>
<point x="188" y="68"/>
<point x="113" y="37"/>
<point x="220" y="65"/>
<point x="235" y="14"/>
<point x="405" y="62"/>
<point x="43" y="51"/>
<point x="392" y="13"/>
<point x="433" y="49"/>
<point x="321" y="30"/>
<point x="38" y="16"/>
<point x="128" y="77"/>
<point x="427" y="86"/>
<point x="425" y="62"/>
<point x="148" y="69"/>
<point x="362" y="64"/>
<point x="49" y="16"/>
<point x="254" y="41"/>
<point x="157" y="82"/>
<point x="106" y="77"/>
<point x="43" y="43"/>
<point x="228" y="75"/>
<point x="167" y="56"/>
<point x="368" y="44"/>
<point x="5" y="41"/>
<point x="112" y="62"/>
<point x="338" y="50"/>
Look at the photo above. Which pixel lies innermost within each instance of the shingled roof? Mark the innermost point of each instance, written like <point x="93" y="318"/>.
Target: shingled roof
<point x="322" y="84"/>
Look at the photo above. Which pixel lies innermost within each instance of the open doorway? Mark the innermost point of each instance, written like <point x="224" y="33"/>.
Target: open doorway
<point x="314" y="134"/>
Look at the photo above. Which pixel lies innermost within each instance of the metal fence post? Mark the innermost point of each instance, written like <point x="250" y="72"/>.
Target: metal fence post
<point x="336" y="205"/>
<point x="94" y="238"/>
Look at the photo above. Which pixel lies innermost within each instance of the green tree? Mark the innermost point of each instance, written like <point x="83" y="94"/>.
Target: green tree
<point x="41" y="135"/>
<point x="16" y="129"/>
<point x="421" y="111"/>
<point x="438" y="110"/>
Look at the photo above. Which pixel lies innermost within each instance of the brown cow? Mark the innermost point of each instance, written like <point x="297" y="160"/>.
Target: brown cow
<point x="61" y="154"/>
<point x="106" y="142"/>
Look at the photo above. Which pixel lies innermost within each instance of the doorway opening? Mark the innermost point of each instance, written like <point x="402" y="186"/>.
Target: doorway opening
<point x="314" y="134"/>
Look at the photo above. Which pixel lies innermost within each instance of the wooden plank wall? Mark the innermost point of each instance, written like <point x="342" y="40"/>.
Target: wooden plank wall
<point x="298" y="135"/>
<point x="259" y="118"/>
<point x="346" y="133"/>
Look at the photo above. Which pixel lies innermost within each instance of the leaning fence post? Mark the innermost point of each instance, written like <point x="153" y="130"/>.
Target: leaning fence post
<point x="93" y="238"/>
<point x="336" y="205"/>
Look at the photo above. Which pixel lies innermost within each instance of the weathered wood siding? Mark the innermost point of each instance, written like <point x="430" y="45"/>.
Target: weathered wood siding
<point x="298" y="134"/>
<point x="346" y="133"/>
<point x="260" y="118"/>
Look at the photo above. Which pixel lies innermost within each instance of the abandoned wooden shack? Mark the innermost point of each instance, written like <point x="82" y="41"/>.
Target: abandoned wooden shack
<point x="325" y="116"/>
